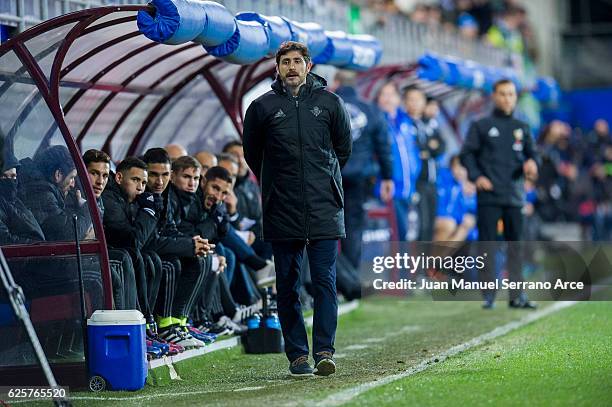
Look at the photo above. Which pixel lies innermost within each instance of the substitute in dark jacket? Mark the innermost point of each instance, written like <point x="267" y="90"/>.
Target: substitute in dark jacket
<point x="180" y="286"/>
<point x="17" y="224"/>
<point x="497" y="153"/>
<point x="46" y="189"/>
<point x="297" y="138"/>
<point x="129" y="218"/>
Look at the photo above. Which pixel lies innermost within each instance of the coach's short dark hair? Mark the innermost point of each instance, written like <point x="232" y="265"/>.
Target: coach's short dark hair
<point x="500" y="82"/>
<point x="131" y="162"/>
<point x="218" y="173"/>
<point x="233" y="143"/>
<point x="95" y="156"/>
<point x="185" y="162"/>
<point x="156" y="155"/>
<point x="289" y="46"/>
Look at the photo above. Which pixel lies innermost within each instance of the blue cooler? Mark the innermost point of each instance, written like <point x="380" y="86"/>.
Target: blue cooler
<point x="117" y="350"/>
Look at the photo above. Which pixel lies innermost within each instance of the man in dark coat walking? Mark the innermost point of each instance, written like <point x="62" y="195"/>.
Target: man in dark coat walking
<point x="297" y="137"/>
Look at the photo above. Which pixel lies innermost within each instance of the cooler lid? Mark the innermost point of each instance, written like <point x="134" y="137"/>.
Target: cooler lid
<point x="116" y="317"/>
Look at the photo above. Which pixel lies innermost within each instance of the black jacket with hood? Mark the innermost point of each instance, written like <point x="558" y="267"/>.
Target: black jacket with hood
<point x="296" y="146"/>
<point x="194" y="219"/>
<point x="17" y="223"/>
<point x="126" y="225"/>
<point x="51" y="208"/>
<point x="168" y="240"/>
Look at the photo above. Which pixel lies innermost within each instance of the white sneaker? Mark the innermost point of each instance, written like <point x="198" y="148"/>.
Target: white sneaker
<point x="266" y="275"/>
<point x="236" y="328"/>
<point x="222" y="327"/>
<point x="184" y="339"/>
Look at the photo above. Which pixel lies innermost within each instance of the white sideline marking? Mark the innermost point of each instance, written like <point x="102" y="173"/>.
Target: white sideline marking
<point x="250" y="388"/>
<point x="356" y="347"/>
<point x="374" y="340"/>
<point x="348" y="394"/>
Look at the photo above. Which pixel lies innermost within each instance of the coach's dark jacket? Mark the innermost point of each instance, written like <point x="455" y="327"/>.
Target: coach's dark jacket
<point x="296" y="146"/>
<point x="496" y="147"/>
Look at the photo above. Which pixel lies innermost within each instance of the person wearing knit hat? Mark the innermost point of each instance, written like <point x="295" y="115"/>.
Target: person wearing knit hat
<point x="17" y="223"/>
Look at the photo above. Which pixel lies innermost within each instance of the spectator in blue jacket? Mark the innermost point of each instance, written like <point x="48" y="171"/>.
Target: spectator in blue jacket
<point x="455" y="216"/>
<point x="404" y="151"/>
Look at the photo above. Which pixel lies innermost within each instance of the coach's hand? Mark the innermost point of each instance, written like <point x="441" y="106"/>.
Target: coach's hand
<point x="484" y="184"/>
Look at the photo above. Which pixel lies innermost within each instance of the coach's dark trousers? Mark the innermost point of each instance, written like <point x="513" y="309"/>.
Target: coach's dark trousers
<point x="488" y="215"/>
<point x="322" y="260"/>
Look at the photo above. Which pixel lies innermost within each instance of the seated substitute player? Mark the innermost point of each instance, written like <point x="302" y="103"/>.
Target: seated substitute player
<point x="188" y="256"/>
<point x="46" y="190"/>
<point x="216" y="301"/>
<point x="130" y="216"/>
<point x="122" y="269"/>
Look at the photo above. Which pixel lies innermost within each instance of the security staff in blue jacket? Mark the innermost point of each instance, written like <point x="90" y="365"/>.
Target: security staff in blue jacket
<point x="431" y="147"/>
<point x="370" y="140"/>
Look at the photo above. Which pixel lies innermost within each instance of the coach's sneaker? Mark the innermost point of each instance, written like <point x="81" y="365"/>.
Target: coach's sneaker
<point x="300" y="367"/>
<point x="488" y="304"/>
<point x="324" y="364"/>
<point x="522" y="304"/>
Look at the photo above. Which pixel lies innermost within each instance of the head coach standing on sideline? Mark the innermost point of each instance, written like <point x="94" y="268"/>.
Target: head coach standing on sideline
<point x="297" y="137"/>
<point x="498" y="153"/>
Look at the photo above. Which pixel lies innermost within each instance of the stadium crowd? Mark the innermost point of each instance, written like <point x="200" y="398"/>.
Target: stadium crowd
<point x="500" y="23"/>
